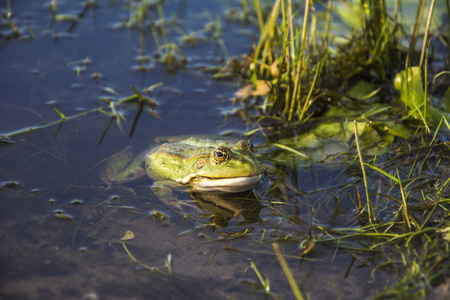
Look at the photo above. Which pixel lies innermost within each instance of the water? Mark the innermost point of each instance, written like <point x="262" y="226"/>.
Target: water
<point x="60" y="226"/>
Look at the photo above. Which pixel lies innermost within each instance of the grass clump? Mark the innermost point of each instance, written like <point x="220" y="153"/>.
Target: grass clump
<point x="313" y="71"/>
<point x="307" y="58"/>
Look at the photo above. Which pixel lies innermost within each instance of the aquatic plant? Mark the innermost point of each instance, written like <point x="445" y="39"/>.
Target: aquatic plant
<point x="299" y="70"/>
<point x="306" y="83"/>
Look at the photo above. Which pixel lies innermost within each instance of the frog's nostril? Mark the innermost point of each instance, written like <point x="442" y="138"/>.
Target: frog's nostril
<point x="200" y="164"/>
<point x="241" y="160"/>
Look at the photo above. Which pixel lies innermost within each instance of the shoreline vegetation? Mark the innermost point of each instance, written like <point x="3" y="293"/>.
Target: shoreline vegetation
<point x="392" y="80"/>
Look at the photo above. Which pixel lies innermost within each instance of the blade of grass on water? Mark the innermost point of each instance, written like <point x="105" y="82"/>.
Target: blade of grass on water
<point x="291" y="150"/>
<point x="264" y="283"/>
<point x="287" y="272"/>
<point x="372" y="217"/>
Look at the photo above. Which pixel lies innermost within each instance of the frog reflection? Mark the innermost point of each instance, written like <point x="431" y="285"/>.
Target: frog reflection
<point x="224" y="207"/>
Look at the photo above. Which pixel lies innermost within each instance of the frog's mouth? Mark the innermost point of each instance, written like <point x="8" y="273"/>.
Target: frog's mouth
<point x="227" y="185"/>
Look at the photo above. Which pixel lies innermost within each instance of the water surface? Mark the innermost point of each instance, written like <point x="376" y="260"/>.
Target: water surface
<point x="61" y="227"/>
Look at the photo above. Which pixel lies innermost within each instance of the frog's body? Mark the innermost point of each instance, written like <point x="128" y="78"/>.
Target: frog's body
<point x="206" y="164"/>
<point x="203" y="164"/>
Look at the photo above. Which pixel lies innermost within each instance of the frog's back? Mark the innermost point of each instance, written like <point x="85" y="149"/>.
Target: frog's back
<point x="172" y="160"/>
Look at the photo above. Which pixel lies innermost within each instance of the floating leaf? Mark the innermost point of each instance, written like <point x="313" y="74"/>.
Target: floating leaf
<point x="395" y="129"/>
<point x="129" y="235"/>
<point x="362" y="89"/>
<point x="67" y="18"/>
<point x="260" y="88"/>
<point x="110" y="91"/>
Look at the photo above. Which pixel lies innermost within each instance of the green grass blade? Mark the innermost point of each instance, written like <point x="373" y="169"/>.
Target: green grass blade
<point x="370" y="209"/>
<point x="291" y="150"/>
<point x="60" y="114"/>
<point x="382" y="172"/>
<point x="287" y="272"/>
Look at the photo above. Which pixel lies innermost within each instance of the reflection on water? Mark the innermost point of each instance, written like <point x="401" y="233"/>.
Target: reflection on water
<point x="61" y="229"/>
<point x="223" y="207"/>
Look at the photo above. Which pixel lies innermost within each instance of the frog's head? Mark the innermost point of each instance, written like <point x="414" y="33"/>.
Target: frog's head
<point x="226" y="169"/>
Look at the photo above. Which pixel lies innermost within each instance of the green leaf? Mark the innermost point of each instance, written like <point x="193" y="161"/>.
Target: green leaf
<point x="291" y="150"/>
<point x="383" y="172"/>
<point x="60" y="114"/>
<point x="409" y="84"/>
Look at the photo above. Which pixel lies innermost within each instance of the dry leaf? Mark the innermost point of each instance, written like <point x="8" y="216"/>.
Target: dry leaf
<point x="129" y="235"/>
<point x="262" y="88"/>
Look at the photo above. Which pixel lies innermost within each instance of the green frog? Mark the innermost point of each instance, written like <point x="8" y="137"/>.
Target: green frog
<point x="199" y="164"/>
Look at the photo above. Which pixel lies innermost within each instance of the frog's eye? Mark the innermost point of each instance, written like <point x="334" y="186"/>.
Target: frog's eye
<point x="220" y="155"/>
<point x="250" y="146"/>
